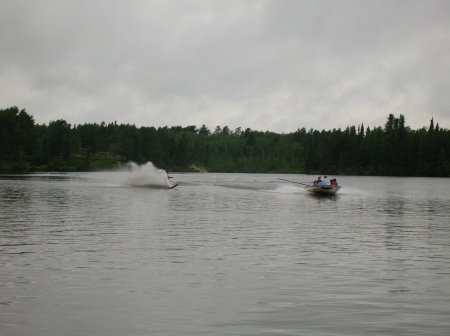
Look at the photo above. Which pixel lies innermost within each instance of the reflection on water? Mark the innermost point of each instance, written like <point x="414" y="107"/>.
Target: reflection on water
<point x="223" y="254"/>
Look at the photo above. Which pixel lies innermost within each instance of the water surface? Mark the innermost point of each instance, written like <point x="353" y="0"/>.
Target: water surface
<point x="223" y="254"/>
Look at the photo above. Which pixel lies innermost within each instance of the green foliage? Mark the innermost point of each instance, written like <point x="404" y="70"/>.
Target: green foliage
<point x="394" y="149"/>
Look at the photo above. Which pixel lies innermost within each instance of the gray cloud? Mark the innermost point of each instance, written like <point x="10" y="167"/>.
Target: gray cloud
<point x="268" y="65"/>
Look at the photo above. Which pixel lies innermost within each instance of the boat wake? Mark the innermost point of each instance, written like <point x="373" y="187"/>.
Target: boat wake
<point x="146" y="175"/>
<point x="288" y="189"/>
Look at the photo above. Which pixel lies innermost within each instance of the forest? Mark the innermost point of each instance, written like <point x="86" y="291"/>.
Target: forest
<point x="393" y="149"/>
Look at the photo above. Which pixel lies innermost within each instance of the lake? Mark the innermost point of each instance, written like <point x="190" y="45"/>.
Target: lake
<point x="117" y="253"/>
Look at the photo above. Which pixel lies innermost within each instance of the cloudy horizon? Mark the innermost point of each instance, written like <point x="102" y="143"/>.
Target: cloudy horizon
<point x="270" y="65"/>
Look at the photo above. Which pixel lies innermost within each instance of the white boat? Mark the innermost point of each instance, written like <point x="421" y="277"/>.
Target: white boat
<point x="327" y="189"/>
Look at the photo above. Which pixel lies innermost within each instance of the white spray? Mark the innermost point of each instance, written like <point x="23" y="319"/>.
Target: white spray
<point x="146" y="175"/>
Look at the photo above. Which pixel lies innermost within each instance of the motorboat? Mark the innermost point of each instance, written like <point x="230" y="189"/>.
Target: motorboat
<point x="318" y="187"/>
<point x="325" y="189"/>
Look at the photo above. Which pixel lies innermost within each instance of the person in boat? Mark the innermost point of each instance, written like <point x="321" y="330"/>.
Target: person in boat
<point x="333" y="182"/>
<point x="319" y="181"/>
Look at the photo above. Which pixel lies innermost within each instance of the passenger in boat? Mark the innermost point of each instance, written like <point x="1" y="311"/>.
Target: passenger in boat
<point x="333" y="182"/>
<point x="319" y="181"/>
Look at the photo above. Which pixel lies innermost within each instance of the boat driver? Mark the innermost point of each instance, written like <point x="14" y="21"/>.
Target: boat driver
<point x="319" y="181"/>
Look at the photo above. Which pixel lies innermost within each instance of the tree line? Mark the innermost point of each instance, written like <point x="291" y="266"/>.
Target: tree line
<point x="394" y="149"/>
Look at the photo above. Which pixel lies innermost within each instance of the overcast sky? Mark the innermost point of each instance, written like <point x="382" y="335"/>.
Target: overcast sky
<point x="275" y="65"/>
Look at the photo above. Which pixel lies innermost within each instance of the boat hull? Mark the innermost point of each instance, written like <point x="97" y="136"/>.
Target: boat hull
<point x="323" y="189"/>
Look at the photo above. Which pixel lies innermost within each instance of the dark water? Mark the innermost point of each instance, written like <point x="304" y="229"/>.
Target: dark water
<point x="223" y="254"/>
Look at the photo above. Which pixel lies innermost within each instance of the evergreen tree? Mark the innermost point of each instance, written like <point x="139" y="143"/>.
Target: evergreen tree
<point x="394" y="149"/>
